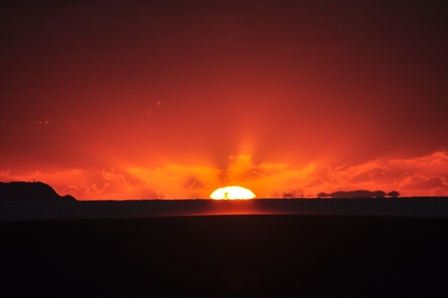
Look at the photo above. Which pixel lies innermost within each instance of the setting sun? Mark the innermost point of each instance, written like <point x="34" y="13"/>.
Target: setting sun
<point x="232" y="193"/>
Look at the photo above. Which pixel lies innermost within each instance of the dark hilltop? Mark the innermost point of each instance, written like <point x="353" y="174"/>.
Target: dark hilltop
<point x="30" y="191"/>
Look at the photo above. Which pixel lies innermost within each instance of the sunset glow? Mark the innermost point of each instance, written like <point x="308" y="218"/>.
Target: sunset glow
<point x="151" y="100"/>
<point x="232" y="193"/>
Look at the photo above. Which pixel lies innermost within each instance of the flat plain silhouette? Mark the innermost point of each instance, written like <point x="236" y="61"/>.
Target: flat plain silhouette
<point x="227" y="256"/>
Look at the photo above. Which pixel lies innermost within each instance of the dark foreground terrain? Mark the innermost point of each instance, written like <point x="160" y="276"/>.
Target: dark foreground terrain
<point x="240" y="255"/>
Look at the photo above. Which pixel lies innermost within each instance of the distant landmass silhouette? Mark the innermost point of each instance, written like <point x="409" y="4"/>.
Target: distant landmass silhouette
<point x="30" y="191"/>
<point x="359" y="194"/>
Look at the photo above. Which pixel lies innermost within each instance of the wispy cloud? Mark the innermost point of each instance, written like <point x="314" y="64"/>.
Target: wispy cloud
<point x="419" y="176"/>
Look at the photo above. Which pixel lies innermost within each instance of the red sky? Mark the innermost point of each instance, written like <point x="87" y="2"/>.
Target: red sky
<point x="172" y="99"/>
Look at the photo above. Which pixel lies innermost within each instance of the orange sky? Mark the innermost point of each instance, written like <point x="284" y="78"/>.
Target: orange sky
<point x="161" y="99"/>
<point x="421" y="176"/>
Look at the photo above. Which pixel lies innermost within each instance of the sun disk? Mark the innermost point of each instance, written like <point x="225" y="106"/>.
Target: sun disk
<point x="232" y="193"/>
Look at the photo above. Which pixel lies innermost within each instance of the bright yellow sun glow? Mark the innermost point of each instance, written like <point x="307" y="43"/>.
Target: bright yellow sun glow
<point x="232" y="193"/>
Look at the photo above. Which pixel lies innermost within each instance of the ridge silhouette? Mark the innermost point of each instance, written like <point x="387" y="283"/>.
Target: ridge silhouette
<point x="30" y="191"/>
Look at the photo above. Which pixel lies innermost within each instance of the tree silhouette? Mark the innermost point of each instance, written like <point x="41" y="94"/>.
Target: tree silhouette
<point x="393" y="194"/>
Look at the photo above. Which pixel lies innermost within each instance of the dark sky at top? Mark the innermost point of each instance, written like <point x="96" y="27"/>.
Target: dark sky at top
<point x="120" y="99"/>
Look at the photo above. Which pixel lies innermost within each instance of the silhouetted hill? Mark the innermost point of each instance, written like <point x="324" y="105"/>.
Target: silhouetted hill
<point x="30" y="191"/>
